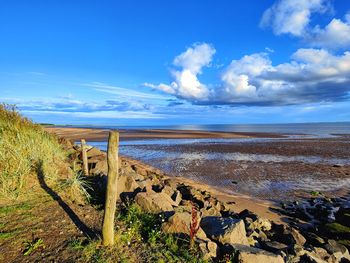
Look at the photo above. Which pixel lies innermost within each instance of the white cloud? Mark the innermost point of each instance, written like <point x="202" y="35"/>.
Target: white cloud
<point x="289" y="17"/>
<point x="123" y="92"/>
<point x="335" y="35"/>
<point x="186" y="84"/>
<point x="96" y="114"/>
<point x="312" y="75"/>
<point x="292" y="17"/>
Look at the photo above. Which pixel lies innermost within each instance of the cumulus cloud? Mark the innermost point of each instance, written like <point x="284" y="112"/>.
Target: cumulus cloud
<point x="190" y="64"/>
<point x="335" y="35"/>
<point x="312" y="75"/>
<point x="291" y="17"/>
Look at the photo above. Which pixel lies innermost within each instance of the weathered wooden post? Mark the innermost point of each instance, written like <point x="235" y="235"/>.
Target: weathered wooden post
<point x="111" y="194"/>
<point x="84" y="157"/>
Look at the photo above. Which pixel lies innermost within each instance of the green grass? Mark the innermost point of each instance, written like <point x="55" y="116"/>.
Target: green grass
<point x="138" y="238"/>
<point x="10" y="209"/>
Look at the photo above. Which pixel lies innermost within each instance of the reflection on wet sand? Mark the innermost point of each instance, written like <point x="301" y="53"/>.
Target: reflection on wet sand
<point x="265" y="168"/>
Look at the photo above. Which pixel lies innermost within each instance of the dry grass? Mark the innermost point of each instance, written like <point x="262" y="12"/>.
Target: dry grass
<point x="23" y="146"/>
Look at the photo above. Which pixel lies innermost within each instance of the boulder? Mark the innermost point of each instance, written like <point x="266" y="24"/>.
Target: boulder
<point x="274" y="246"/>
<point x="287" y="235"/>
<point x="100" y="168"/>
<point x="180" y="222"/>
<point x="94" y="152"/>
<point x="343" y="216"/>
<point x="209" y="249"/>
<point x="337" y="250"/>
<point x="153" y="202"/>
<point x="212" y="211"/>
<point x="246" y="254"/>
<point x="225" y="230"/>
<point x="311" y="257"/>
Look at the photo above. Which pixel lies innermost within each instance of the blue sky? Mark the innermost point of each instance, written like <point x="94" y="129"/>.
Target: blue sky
<point x="176" y="62"/>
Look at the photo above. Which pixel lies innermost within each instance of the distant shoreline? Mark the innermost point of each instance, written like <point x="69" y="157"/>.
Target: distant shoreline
<point x="98" y="134"/>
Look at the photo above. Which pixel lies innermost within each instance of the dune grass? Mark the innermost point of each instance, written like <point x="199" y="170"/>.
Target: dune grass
<point x="23" y="146"/>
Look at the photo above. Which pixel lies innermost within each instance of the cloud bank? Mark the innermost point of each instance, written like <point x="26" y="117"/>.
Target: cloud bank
<point x="289" y="17"/>
<point x="318" y="73"/>
<point x="312" y="75"/>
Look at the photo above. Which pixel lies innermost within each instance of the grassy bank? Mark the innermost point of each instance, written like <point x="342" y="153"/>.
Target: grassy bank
<point x="26" y="152"/>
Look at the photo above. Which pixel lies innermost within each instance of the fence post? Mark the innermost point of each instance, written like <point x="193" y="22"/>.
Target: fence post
<point x="111" y="194"/>
<point x="84" y="157"/>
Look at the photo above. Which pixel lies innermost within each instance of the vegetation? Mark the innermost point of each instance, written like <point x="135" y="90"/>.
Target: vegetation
<point x="139" y="238"/>
<point x="24" y="146"/>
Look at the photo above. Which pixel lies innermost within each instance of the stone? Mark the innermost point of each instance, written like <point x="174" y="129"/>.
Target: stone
<point x="177" y="197"/>
<point x="274" y="246"/>
<point x="337" y="250"/>
<point x="153" y="202"/>
<point x="145" y="185"/>
<point x="210" y="212"/>
<point x="100" y="168"/>
<point x="246" y="254"/>
<point x="225" y="230"/>
<point x="168" y="190"/>
<point x="126" y="184"/>
<point x="180" y="222"/>
<point x="343" y="216"/>
<point x="94" y="152"/>
<point x="209" y="249"/>
<point x="287" y="235"/>
<point x="321" y="253"/>
<point x="311" y="257"/>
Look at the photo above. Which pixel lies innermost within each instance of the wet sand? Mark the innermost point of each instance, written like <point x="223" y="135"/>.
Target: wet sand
<point x="278" y="168"/>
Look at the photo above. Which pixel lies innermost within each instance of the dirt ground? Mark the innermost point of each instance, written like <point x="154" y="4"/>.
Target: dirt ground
<point x="51" y="218"/>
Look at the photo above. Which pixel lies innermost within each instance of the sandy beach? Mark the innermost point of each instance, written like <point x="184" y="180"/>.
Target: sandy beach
<point x="93" y="134"/>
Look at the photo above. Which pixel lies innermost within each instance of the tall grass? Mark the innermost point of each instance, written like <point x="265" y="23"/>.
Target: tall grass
<point x="23" y="145"/>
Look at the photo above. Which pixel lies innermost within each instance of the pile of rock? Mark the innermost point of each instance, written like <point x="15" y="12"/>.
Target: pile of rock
<point x="246" y="237"/>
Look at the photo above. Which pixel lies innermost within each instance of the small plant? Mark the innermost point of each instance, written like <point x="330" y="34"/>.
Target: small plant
<point x="315" y="193"/>
<point x="30" y="246"/>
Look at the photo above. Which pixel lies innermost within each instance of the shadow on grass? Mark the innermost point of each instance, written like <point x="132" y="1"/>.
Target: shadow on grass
<point x="75" y="219"/>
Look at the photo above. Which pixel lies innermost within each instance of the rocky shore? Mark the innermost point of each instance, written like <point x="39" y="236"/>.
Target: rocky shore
<point x="315" y="230"/>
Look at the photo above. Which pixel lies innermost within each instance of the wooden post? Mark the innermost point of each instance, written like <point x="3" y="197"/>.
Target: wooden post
<point x="111" y="194"/>
<point x="84" y="157"/>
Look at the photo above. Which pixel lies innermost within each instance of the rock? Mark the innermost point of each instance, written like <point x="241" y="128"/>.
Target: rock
<point x="94" y="152"/>
<point x="287" y="235"/>
<point x="210" y="212"/>
<point x="139" y="170"/>
<point x="311" y="257"/>
<point x="225" y="230"/>
<point x="145" y="185"/>
<point x="321" y="253"/>
<point x="297" y="237"/>
<point x="274" y="246"/>
<point x="177" y="197"/>
<point x="154" y="202"/>
<point x="209" y="249"/>
<point x="246" y="254"/>
<point x="180" y="222"/>
<point x="259" y="224"/>
<point x="100" y="168"/>
<point x="168" y="190"/>
<point x="126" y="184"/>
<point x="337" y="250"/>
<point x="338" y="230"/>
<point x="313" y="239"/>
